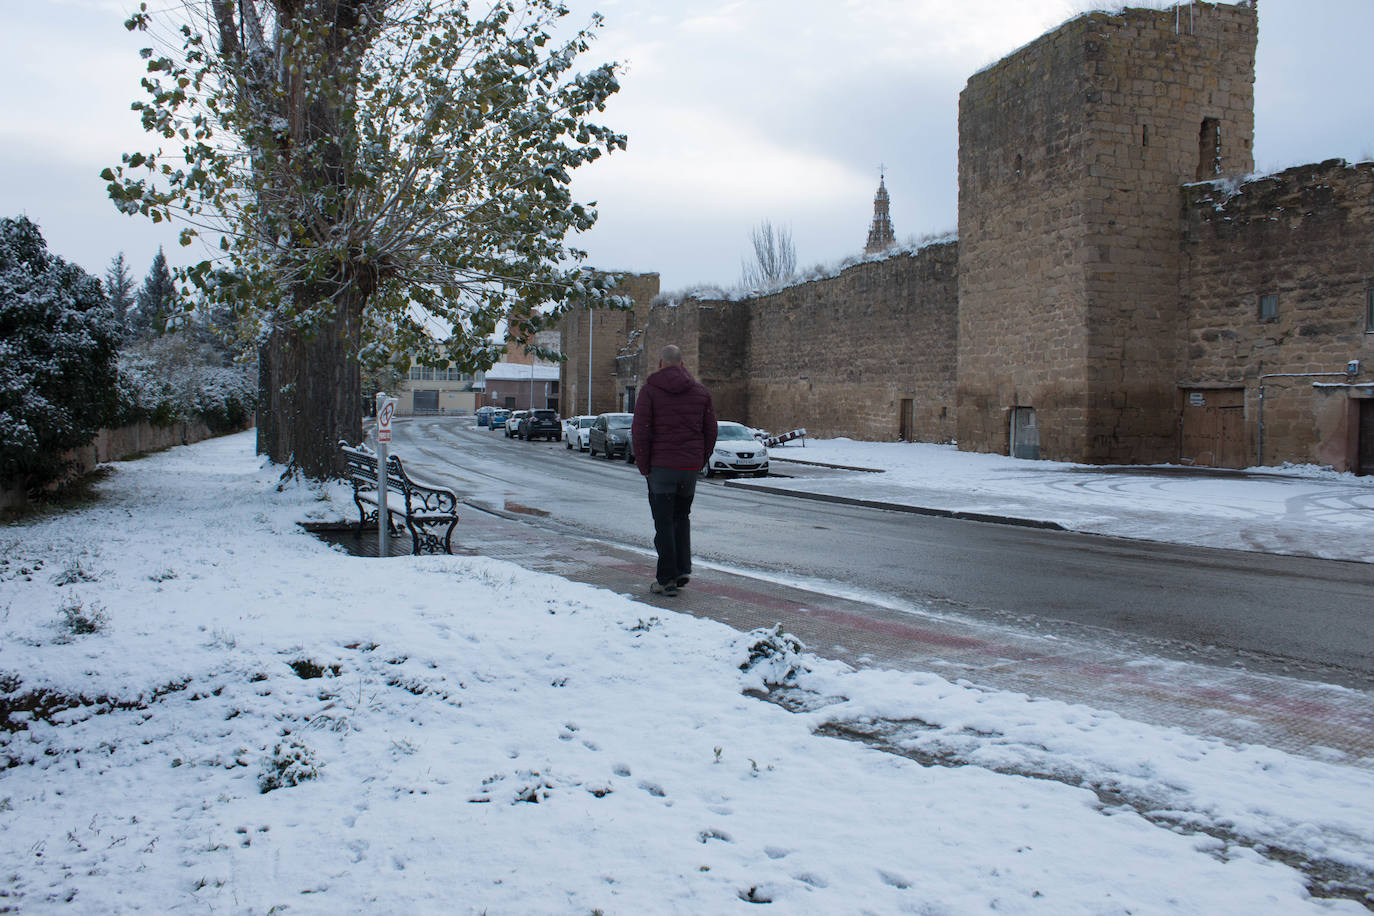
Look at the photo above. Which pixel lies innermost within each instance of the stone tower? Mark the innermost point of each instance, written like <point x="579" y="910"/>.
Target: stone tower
<point x="880" y="236"/>
<point x="1072" y="156"/>
<point x="591" y="342"/>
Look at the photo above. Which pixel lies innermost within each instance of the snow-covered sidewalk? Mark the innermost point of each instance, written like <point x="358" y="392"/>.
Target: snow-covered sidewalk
<point x="1306" y="511"/>
<point x="209" y="710"/>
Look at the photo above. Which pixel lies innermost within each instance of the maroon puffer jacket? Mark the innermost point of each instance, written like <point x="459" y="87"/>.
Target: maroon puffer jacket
<point x="675" y="422"/>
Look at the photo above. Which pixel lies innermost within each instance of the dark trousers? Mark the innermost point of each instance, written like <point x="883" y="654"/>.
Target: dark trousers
<point x="670" y="500"/>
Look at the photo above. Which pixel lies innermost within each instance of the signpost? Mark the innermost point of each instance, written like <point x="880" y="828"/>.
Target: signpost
<point x="386" y="409"/>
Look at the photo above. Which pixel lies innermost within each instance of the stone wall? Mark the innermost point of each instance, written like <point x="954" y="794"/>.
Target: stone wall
<point x="1071" y="154"/>
<point x="837" y="356"/>
<point x="1306" y="236"/>
<point x="713" y="335"/>
<point x="120" y="444"/>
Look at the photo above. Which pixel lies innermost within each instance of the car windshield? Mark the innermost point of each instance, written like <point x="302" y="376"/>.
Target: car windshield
<point x="733" y="431"/>
<point x="546" y="414"/>
<point x="585" y="422"/>
<point x="620" y="421"/>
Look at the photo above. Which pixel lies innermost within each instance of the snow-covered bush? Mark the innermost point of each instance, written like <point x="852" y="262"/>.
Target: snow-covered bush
<point x="58" y="338"/>
<point x="77" y="618"/>
<point x="177" y="377"/>
<point x="290" y="764"/>
<point x="772" y="658"/>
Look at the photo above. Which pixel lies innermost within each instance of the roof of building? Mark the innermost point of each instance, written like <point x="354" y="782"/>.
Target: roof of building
<point x="515" y="372"/>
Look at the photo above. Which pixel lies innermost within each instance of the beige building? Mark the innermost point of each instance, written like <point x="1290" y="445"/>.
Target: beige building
<point x="436" y="391"/>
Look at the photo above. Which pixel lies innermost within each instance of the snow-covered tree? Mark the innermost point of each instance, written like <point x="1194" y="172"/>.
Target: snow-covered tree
<point x="119" y="289"/>
<point x="775" y="259"/>
<point x="58" y="338"/>
<point x="371" y="168"/>
<point x="157" y="300"/>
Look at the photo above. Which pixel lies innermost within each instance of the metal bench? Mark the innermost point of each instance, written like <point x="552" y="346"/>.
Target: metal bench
<point x="429" y="513"/>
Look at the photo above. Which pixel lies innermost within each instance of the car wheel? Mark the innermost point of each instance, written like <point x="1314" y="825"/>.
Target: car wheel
<point x="761" y="474"/>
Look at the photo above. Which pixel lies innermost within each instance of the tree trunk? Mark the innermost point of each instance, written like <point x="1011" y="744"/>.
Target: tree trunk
<point x="310" y="391"/>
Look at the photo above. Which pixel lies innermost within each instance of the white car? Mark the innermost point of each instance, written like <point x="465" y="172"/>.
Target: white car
<point x="513" y="422"/>
<point x="576" y="430"/>
<point x="736" y="452"/>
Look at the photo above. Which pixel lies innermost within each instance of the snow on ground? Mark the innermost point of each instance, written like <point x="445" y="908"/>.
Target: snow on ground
<point x="1303" y="510"/>
<point x="225" y="715"/>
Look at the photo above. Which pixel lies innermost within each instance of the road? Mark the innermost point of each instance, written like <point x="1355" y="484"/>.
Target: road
<point x="1292" y="614"/>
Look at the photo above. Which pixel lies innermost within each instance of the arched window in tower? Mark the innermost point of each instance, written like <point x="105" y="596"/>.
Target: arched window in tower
<point x="1209" y="149"/>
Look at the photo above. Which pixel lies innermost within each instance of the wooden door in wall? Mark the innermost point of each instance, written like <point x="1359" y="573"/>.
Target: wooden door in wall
<point x="907" y="420"/>
<point x="1365" y="464"/>
<point x="1213" y="428"/>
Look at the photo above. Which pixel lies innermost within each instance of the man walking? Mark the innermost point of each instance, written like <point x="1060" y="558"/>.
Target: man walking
<point x="673" y="433"/>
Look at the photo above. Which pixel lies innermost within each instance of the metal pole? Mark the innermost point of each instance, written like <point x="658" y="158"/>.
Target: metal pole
<point x="382" y="548"/>
<point x="590" y="315"/>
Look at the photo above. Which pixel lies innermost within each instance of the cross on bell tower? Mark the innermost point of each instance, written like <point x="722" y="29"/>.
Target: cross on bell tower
<point x="880" y="237"/>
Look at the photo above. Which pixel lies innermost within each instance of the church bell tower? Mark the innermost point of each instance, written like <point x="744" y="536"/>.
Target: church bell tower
<point x="880" y="237"/>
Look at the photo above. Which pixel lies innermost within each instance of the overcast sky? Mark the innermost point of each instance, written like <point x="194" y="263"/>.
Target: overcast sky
<point x="736" y="110"/>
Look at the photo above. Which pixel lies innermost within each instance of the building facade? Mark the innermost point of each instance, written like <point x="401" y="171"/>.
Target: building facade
<point x="427" y="391"/>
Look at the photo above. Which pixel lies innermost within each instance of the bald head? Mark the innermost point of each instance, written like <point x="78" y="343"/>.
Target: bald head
<point x="670" y="355"/>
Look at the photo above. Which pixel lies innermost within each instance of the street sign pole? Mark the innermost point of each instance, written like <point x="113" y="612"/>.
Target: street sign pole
<point x="386" y="409"/>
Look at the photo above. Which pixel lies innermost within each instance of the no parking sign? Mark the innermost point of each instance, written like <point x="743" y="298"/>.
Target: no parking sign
<point x="386" y="409"/>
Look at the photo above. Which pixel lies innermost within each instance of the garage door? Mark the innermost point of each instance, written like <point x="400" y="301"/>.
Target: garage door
<point x="1213" y="428"/>
<point x="427" y="402"/>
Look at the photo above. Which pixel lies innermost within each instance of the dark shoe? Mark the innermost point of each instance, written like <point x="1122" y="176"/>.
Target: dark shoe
<point x="668" y="591"/>
<point x="683" y="580"/>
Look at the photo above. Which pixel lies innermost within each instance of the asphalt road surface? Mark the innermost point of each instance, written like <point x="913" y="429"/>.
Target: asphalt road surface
<point x="1299" y="615"/>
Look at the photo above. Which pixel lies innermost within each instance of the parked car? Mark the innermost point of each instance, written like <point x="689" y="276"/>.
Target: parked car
<point x="484" y="415"/>
<point x="576" y="430"/>
<point x="498" y="419"/>
<point x="540" y="424"/>
<point x="513" y="422"/>
<point x="609" y="434"/>
<point x="736" y="452"/>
